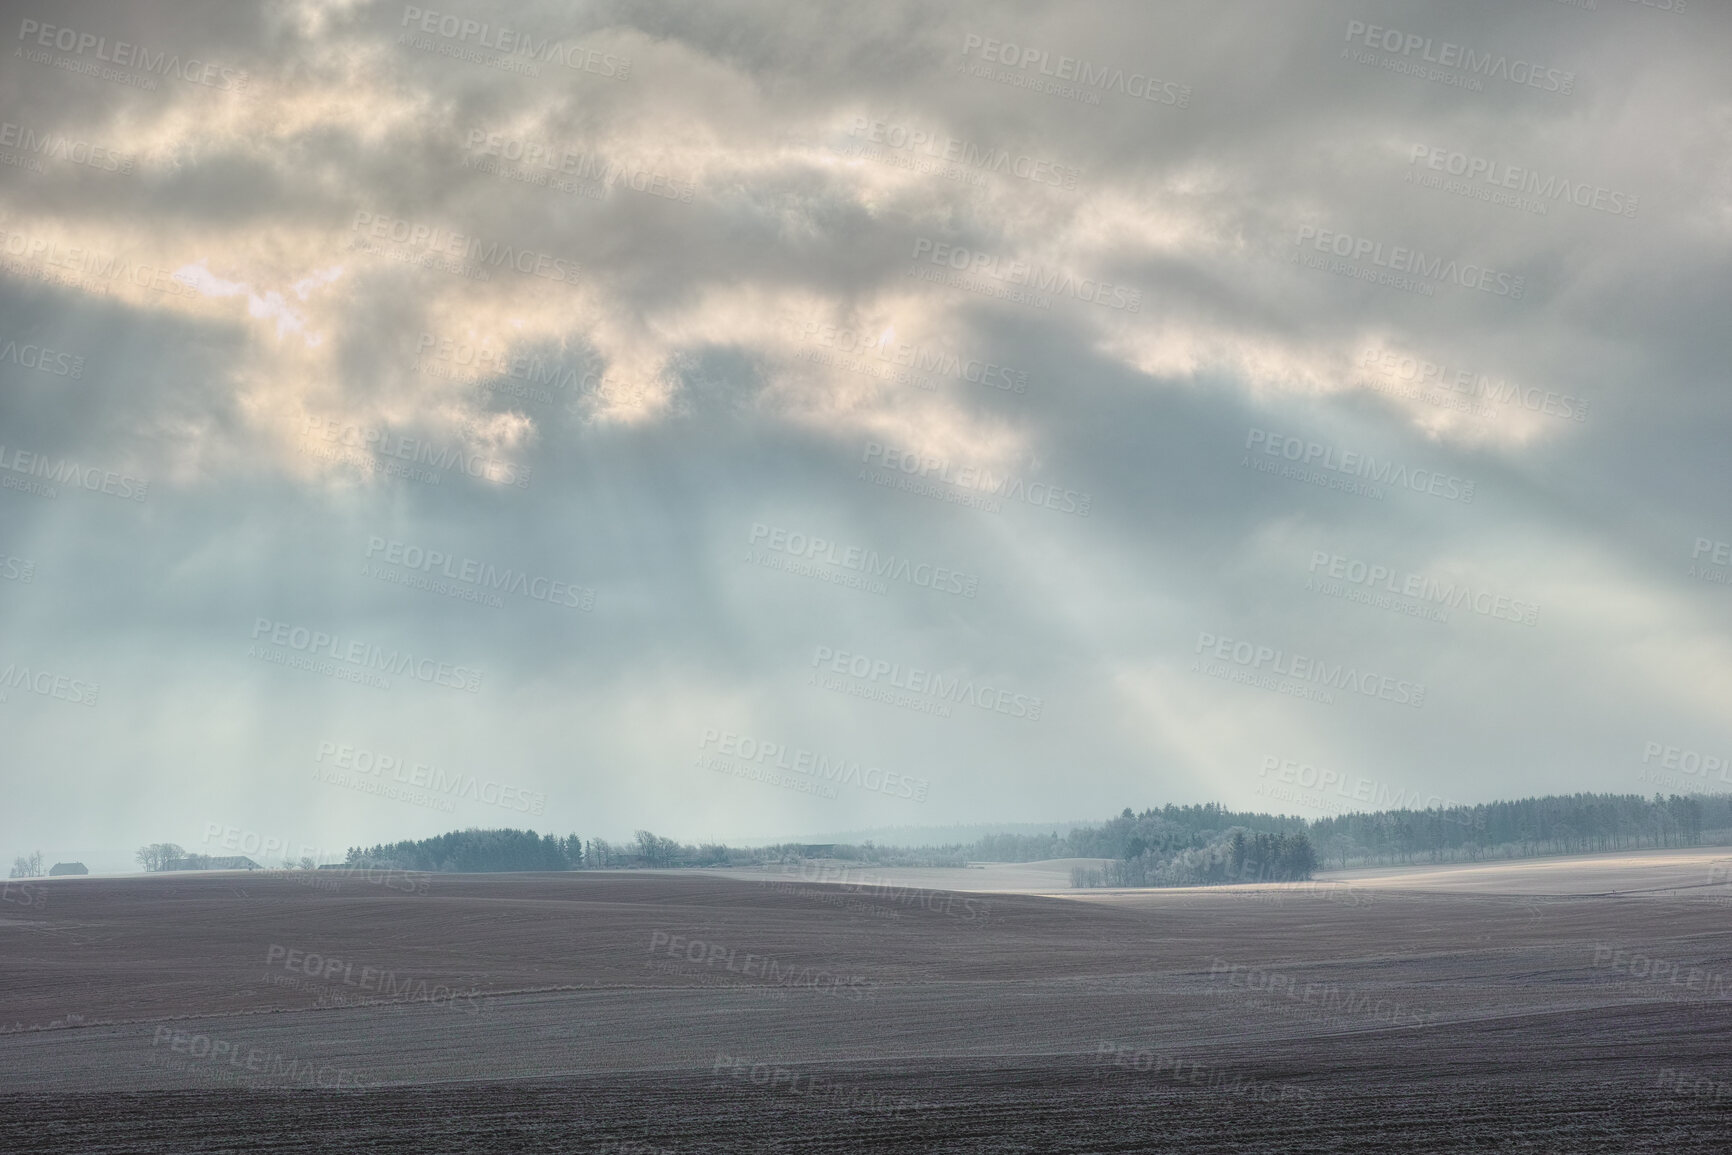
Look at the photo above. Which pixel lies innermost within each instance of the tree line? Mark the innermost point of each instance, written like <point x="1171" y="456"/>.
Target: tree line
<point x="1166" y="846"/>
<point x="1526" y="828"/>
<point x="504" y="849"/>
<point x="1207" y="858"/>
<point x="172" y="856"/>
<point x="1522" y="828"/>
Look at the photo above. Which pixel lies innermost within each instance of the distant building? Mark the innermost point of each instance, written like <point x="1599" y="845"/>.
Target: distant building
<point x="235" y="863"/>
<point x="67" y="868"/>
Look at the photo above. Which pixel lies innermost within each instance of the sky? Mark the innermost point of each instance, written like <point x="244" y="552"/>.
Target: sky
<point x="752" y="421"/>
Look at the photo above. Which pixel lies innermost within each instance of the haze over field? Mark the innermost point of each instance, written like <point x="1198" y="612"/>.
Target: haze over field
<point x="886" y="577"/>
<point x="551" y="380"/>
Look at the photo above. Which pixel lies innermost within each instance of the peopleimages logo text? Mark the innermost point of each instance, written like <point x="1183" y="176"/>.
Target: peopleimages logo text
<point x="1040" y="278"/>
<point x="488" y="361"/>
<point x="365" y="656"/>
<point x="1428" y="374"/>
<point x="586" y="170"/>
<point x="964" y="153"/>
<point x="482" y="575"/>
<point x="820" y="767"/>
<point x="867" y="561"/>
<point x="1316" y="455"/>
<point x="913" y="679"/>
<point x="515" y="42"/>
<point x="43" y="359"/>
<point x="61" y="471"/>
<point x="980" y="480"/>
<point x="133" y="56"/>
<point x="371" y="979"/>
<point x="59" y="146"/>
<point x="1301" y="668"/>
<point x="419" y="774"/>
<point x="1379" y="795"/>
<point x="1491" y="65"/>
<point x="1455" y="595"/>
<point x="475" y="250"/>
<point x="384" y="443"/>
<point x="1525" y="180"/>
<point x="855" y="988"/>
<point x="1401" y="259"/>
<point x="918" y="358"/>
<point x="1686" y="760"/>
<point x="1138" y="85"/>
<point x="48" y="684"/>
<point x="1718" y="554"/>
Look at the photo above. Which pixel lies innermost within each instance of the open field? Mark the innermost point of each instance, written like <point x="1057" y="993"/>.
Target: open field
<point x="1706" y="871"/>
<point x="1051" y="876"/>
<point x="690" y="1012"/>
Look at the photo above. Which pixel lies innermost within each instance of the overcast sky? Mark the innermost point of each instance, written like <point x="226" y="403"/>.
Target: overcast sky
<point x="992" y="413"/>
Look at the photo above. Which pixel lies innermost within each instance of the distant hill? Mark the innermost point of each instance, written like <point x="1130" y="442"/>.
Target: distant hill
<point x="1165" y="846"/>
<point x="918" y="836"/>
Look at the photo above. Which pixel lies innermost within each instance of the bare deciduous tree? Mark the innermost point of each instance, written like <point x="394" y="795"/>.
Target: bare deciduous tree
<point x="161" y="856"/>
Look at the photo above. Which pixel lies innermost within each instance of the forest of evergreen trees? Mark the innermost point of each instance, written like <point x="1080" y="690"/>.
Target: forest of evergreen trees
<point x="1527" y="827"/>
<point x="1556" y="824"/>
<point x="476" y="850"/>
<point x="1235" y="855"/>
